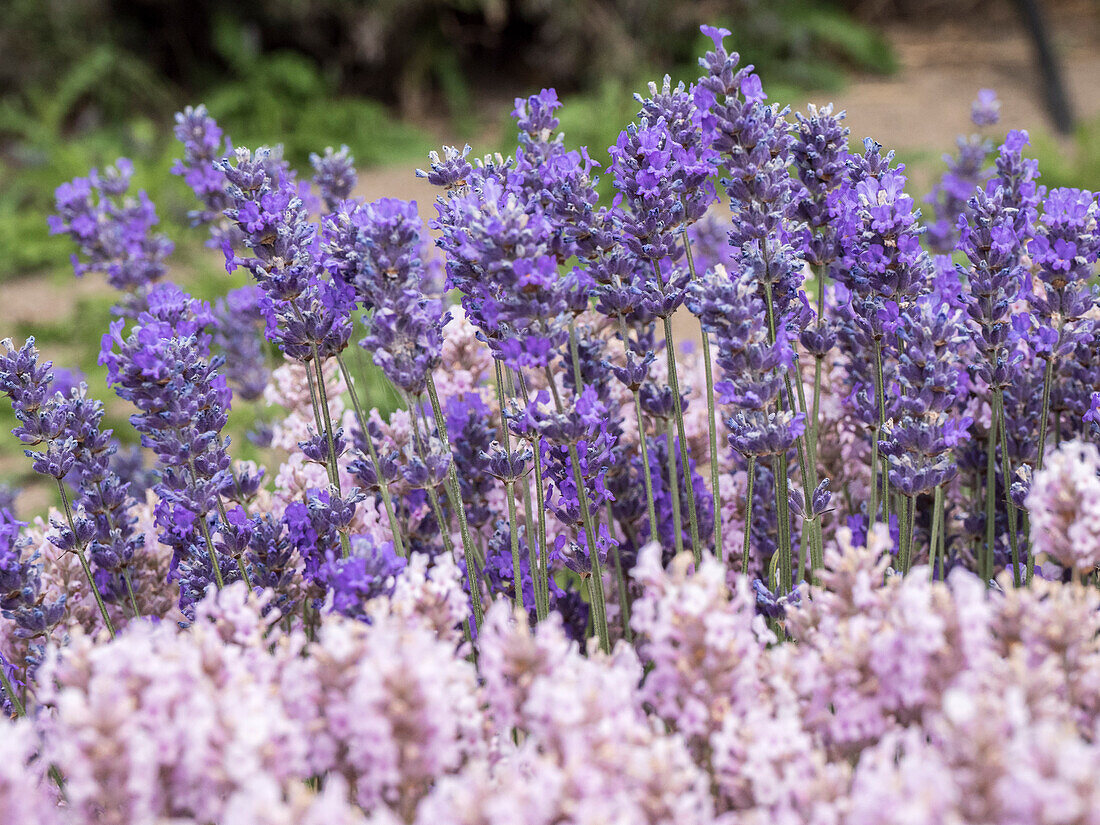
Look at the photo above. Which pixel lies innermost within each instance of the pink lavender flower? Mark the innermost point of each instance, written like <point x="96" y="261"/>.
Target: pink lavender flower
<point x="1064" y="504"/>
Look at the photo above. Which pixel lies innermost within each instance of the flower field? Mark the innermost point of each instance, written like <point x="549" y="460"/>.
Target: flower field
<point x="831" y="558"/>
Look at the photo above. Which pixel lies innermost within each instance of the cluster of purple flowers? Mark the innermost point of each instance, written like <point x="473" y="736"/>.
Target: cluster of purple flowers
<point x="420" y="611"/>
<point x="113" y="232"/>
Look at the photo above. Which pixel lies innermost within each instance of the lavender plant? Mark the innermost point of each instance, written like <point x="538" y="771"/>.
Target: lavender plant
<point x="517" y="595"/>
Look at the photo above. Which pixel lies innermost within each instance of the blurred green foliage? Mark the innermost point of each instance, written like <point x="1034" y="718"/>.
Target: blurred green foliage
<point x="80" y="92"/>
<point x="1072" y="162"/>
<point x="107" y="104"/>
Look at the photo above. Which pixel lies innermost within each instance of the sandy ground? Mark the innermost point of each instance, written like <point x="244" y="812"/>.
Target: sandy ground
<point x="919" y="110"/>
<point x="927" y="103"/>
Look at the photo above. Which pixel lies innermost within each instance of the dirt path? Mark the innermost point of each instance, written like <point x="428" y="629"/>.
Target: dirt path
<point x="922" y="107"/>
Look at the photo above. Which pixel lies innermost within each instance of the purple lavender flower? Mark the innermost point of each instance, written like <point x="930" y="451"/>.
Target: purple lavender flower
<point x="819" y="151"/>
<point x="506" y="466"/>
<point x="471" y="434"/>
<point x="368" y="572"/>
<point x="882" y="267"/>
<point x="1016" y="178"/>
<point x="994" y="277"/>
<point x="966" y="171"/>
<point x="103" y="495"/>
<point x="1072" y="398"/>
<point x="585" y="428"/>
<point x="881" y="245"/>
<point x="203" y="147"/>
<point x="239" y="325"/>
<point x="21" y="597"/>
<point x="74" y="448"/>
<point x="499" y="256"/>
<point x="561" y="182"/>
<point x="271" y="558"/>
<point x="771" y="606"/>
<point x="274" y="222"/>
<point x="986" y="108"/>
<point x="921" y="439"/>
<point x="377" y="248"/>
<point x="754" y="148"/>
<point x="662" y="167"/>
<point x="310" y="313"/>
<point x="408" y="344"/>
<point x="374" y="254"/>
<point x="1093" y="414"/>
<point x="164" y="368"/>
<point x="334" y="175"/>
<point x="663" y="493"/>
<point x="499" y="570"/>
<point x="452" y="172"/>
<point x="819" y="501"/>
<point x="1065" y="250"/>
<point x="113" y="233"/>
<point x="753" y="369"/>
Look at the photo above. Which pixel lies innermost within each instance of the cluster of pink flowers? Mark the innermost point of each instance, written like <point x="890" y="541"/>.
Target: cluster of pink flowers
<point x="901" y="700"/>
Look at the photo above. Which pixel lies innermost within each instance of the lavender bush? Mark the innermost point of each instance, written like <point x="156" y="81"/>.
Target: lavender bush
<point x="833" y="560"/>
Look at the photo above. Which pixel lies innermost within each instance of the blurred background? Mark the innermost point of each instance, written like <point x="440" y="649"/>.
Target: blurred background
<point x="83" y="82"/>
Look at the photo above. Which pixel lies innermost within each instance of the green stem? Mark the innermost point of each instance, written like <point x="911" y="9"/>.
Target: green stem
<point x="785" y="562"/>
<point x="1030" y="549"/>
<point x="620" y="577"/>
<point x="225" y="520"/>
<point x="712" y="428"/>
<point x="872" y="505"/>
<point x="218" y="580"/>
<point x="643" y="448"/>
<point x="804" y="543"/>
<point x="595" y="580"/>
<point x="540" y="509"/>
<point x="1006" y="472"/>
<point x="453" y="488"/>
<point x="748" y="515"/>
<point x="937" y="520"/>
<point x="130" y="591"/>
<point x="454" y="497"/>
<point x="322" y="399"/>
<point x="1048" y="380"/>
<point x="880" y="392"/>
<point x="674" y="489"/>
<point x="693" y="523"/>
<point x="9" y="689"/>
<point x="816" y="410"/>
<point x="809" y="474"/>
<point x="79" y="550"/>
<point x="542" y="576"/>
<point x="513" y="528"/>
<point x="529" y="530"/>
<point x="574" y="353"/>
<point x="712" y="434"/>
<point x="383" y="487"/>
<point x="318" y="396"/>
<point x="908" y="508"/>
<point x="316" y="407"/>
<point x="244" y="573"/>
<point x="126" y="570"/>
<point x="990" y="498"/>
